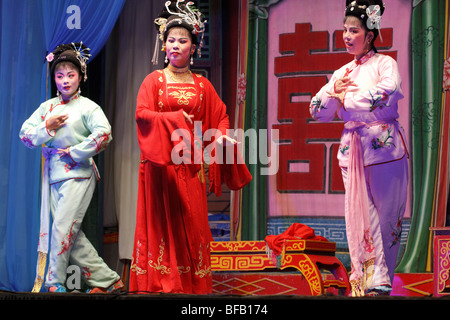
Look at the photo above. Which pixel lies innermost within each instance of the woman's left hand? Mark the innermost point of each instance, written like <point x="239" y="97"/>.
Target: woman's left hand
<point x="338" y="96"/>
<point x="228" y="141"/>
<point x="63" y="152"/>
<point x="188" y="117"/>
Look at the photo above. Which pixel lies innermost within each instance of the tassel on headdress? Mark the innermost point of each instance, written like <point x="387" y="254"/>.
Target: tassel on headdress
<point x="179" y="13"/>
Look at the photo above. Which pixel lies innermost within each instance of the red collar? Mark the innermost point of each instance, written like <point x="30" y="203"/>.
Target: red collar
<point x="74" y="97"/>
<point x="359" y="62"/>
<point x="365" y="57"/>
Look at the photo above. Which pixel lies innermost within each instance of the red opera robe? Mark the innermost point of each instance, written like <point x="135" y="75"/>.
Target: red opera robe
<point x="171" y="247"/>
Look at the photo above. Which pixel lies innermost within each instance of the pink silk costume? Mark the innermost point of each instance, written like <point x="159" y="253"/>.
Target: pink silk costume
<point x="372" y="136"/>
<point x="171" y="249"/>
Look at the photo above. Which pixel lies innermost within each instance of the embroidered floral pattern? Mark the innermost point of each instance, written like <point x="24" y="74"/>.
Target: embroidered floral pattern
<point x="86" y="273"/>
<point x="182" y="269"/>
<point x="242" y="88"/>
<point x="344" y="148"/>
<point x="385" y="140"/>
<point x="70" y="164"/>
<point x="368" y="241"/>
<point x="134" y="267"/>
<point x="50" y="273"/>
<point x="396" y="230"/>
<point x="316" y="106"/>
<point x="183" y="96"/>
<point x="157" y="266"/>
<point x="27" y="141"/>
<point x="379" y="99"/>
<point x="102" y="142"/>
<point x="67" y="240"/>
<point x="202" y="271"/>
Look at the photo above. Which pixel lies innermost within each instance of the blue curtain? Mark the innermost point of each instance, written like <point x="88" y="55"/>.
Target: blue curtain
<point x="23" y="76"/>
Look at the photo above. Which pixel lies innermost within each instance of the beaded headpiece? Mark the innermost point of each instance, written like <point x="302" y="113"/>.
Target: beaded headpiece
<point x="183" y="14"/>
<point x="77" y="53"/>
<point x="369" y="11"/>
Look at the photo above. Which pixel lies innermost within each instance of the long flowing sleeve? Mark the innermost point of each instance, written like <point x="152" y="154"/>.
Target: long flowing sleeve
<point x="233" y="173"/>
<point x="154" y="129"/>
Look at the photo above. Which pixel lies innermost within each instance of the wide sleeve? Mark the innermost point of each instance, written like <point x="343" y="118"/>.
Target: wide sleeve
<point x="324" y="106"/>
<point x="386" y="92"/>
<point x="155" y="129"/>
<point x="33" y="132"/>
<point x="227" y="165"/>
<point x="100" y="137"/>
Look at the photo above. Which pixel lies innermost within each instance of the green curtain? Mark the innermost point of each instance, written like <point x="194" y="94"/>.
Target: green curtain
<point x="428" y="38"/>
<point x="254" y="199"/>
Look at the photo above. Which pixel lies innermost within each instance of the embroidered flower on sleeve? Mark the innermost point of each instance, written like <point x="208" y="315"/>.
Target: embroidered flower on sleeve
<point x="27" y="141"/>
<point x="102" y="142"/>
<point x="380" y="99"/>
<point x="316" y="106"/>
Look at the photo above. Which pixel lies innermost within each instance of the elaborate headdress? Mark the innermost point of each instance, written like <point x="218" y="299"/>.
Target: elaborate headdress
<point x="77" y="53"/>
<point x="368" y="11"/>
<point x="179" y="13"/>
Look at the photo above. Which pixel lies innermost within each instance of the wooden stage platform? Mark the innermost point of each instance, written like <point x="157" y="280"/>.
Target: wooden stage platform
<point x="247" y="284"/>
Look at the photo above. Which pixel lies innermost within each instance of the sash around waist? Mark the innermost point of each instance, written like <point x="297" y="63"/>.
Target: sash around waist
<point x="65" y="168"/>
<point x="381" y="141"/>
<point x="353" y="125"/>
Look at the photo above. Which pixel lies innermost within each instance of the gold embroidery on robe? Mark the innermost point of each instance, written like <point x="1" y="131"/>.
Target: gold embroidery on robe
<point x="183" y="96"/>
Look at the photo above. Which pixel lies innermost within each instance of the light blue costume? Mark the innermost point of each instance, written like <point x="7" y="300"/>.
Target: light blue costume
<point x="68" y="185"/>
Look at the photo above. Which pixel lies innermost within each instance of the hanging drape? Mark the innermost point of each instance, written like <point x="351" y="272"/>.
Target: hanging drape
<point x="428" y="38"/>
<point x="96" y="20"/>
<point x="20" y="76"/>
<point x="128" y="54"/>
<point x="254" y="201"/>
<point x="238" y="113"/>
<point x="23" y="74"/>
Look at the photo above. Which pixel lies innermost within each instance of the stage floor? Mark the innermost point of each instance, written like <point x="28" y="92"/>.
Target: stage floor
<point x="183" y="306"/>
<point x="411" y="292"/>
<point x="209" y="299"/>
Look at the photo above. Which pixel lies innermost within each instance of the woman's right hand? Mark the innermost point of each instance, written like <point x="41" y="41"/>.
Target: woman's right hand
<point x="188" y="117"/>
<point x="56" y="122"/>
<point x="340" y="88"/>
<point x="342" y="85"/>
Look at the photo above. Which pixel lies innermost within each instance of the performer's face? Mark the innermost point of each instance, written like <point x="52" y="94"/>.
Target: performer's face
<point x="67" y="80"/>
<point x="179" y="47"/>
<point x="356" y="37"/>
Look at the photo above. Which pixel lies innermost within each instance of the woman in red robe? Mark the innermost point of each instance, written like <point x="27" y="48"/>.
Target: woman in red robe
<point x="171" y="247"/>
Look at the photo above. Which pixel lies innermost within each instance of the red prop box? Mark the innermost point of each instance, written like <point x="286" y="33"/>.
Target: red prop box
<point x="304" y="267"/>
<point x="441" y="261"/>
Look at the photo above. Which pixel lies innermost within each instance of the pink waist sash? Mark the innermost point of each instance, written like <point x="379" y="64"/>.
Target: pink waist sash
<point x="359" y="233"/>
